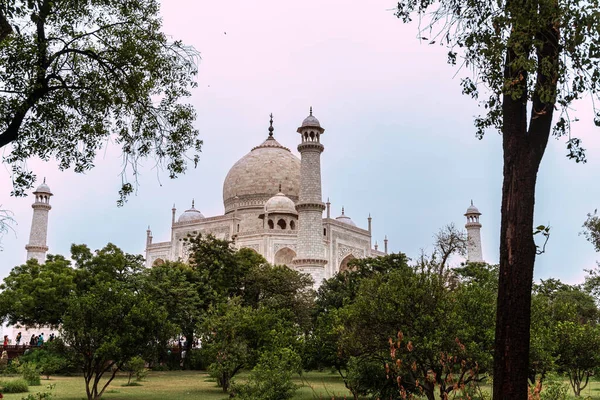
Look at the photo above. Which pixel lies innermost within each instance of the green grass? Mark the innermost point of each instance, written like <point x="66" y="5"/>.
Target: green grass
<point x="185" y="385"/>
<point x="196" y="385"/>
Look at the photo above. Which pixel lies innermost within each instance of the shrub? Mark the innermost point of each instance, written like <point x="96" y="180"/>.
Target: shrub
<point x="53" y="358"/>
<point x="31" y="373"/>
<point x="271" y="378"/>
<point x="136" y="366"/>
<point x="14" y="386"/>
<point x="554" y="390"/>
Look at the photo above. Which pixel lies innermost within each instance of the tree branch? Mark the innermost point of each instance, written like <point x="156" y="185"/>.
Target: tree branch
<point x="5" y="28"/>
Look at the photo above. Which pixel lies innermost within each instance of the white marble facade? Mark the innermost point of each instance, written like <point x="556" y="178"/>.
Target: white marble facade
<point x="261" y="196"/>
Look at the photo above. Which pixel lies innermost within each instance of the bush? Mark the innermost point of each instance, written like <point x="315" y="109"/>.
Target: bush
<point x="271" y="378"/>
<point x="554" y="390"/>
<point x="136" y="366"/>
<point x="14" y="386"/>
<point x="31" y="373"/>
<point x="53" y="358"/>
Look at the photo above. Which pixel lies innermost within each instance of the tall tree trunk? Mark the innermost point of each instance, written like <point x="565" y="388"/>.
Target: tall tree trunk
<point x="517" y="257"/>
<point x="523" y="149"/>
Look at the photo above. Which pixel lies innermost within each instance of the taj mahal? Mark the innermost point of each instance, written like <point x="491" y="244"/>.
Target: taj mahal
<point x="273" y="205"/>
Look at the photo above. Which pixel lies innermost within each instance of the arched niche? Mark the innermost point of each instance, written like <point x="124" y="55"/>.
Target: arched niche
<point x="157" y="262"/>
<point x="284" y="256"/>
<point x="344" y="264"/>
<point x="282" y="224"/>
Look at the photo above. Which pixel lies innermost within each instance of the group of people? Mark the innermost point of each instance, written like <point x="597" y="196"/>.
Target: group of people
<point x="36" y="340"/>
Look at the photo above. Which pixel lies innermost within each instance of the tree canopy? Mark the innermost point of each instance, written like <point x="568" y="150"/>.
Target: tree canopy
<point x="75" y="75"/>
<point x="528" y="59"/>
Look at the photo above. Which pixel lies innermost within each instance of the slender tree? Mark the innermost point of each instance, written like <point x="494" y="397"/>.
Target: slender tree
<point x="529" y="59"/>
<point x="75" y="75"/>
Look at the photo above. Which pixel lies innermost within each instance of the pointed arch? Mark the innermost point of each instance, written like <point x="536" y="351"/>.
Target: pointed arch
<point x="284" y="256"/>
<point x="157" y="262"/>
<point x="344" y="264"/>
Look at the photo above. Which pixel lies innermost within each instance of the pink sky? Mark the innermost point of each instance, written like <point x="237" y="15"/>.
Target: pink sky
<point x="399" y="140"/>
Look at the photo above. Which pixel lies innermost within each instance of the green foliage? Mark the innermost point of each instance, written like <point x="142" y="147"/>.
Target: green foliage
<point x="37" y="294"/>
<point x="54" y="357"/>
<point x="437" y="317"/>
<point x="135" y="366"/>
<point x="177" y="288"/>
<point x="592" y="229"/>
<point x="236" y="336"/>
<point x="94" y="70"/>
<point x="482" y="33"/>
<point x="578" y="348"/>
<point x="110" y="324"/>
<point x="271" y="378"/>
<point x="31" y="373"/>
<point x="14" y="386"/>
<point x="363" y="374"/>
<point x="554" y="390"/>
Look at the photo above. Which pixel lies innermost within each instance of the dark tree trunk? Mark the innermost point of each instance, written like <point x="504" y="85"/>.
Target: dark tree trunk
<point x="517" y="257"/>
<point x="523" y="149"/>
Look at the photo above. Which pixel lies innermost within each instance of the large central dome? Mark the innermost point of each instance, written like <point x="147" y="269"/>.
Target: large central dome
<point x="256" y="177"/>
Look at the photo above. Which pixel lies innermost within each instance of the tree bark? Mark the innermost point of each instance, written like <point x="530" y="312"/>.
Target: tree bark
<point x="523" y="150"/>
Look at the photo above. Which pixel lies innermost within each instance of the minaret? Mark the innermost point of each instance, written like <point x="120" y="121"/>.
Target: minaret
<point x="310" y="256"/>
<point x="473" y="226"/>
<point x="39" y="224"/>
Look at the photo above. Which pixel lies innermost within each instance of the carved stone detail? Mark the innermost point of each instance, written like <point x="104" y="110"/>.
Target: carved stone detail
<point x="279" y="246"/>
<point x="344" y="250"/>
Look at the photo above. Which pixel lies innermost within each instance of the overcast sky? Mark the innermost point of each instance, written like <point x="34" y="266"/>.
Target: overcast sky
<point x="399" y="139"/>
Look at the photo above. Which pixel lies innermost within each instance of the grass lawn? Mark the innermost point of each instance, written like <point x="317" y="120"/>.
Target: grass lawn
<point x="192" y="385"/>
<point x="180" y="385"/>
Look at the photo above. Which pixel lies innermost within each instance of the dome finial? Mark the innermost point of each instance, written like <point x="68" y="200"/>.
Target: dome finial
<point x="44" y="179"/>
<point x="192" y="203"/>
<point x="280" y="188"/>
<point x="310" y="110"/>
<point x="271" y="129"/>
<point x="342" y="210"/>
<point x="471" y="201"/>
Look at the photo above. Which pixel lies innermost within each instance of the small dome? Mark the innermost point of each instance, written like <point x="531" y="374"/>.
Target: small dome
<point x="43" y="188"/>
<point x="280" y="204"/>
<point x="311" y="121"/>
<point x="190" y="215"/>
<point x="345" y="219"/>
<point x="472" y="209"/>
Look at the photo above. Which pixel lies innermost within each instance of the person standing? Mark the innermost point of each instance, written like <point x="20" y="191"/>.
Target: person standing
<point x="18" y="340"/>
<point x="40" y="341"/>
<point x="5" y="341"/>
<point x="33" y="340"/>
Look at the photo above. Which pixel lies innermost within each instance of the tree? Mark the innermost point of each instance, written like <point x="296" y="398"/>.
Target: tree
<point x="75" y="75"/>
<point x="578" y="348"/>
<point x="529" y="58"/>
<point x="105" y="314"/>
<point x="279" y="288"/>
<point x="176" y="287"/>
<point x="449" y="241"/>
<point x="34" y="294"/>
<point x="414" y="308"/>
<point x="108" y="326"/>
<point x="235" y="336"/>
